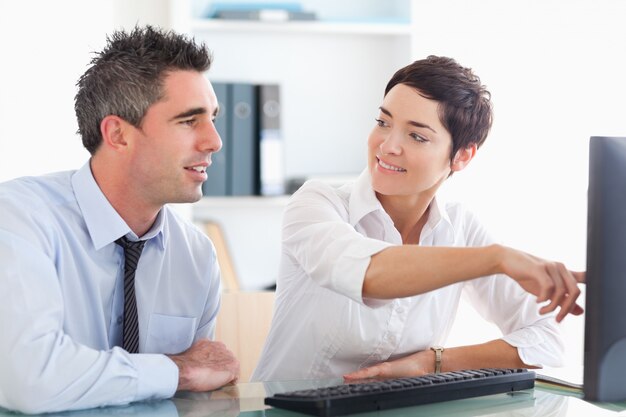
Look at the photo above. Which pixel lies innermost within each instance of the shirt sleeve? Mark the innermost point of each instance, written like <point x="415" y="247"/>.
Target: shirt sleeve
<point x="206" y="329"/>
<point x="41" y="368"/>
<point x="318" y="236"/>
<point x="500" y="300"/>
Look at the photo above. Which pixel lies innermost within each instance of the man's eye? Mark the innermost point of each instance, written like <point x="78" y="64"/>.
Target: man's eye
<point x="188" y="122"/>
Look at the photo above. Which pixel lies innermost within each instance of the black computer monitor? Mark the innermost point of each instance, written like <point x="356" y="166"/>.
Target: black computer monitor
<point x="605" y="321"/>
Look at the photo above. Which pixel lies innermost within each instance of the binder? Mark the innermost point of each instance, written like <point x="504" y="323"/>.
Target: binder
<point x="272" y="177"/>
<point x="249" y="124"/>
<point x="244" y="155"/>
<point x="218" y="181"/>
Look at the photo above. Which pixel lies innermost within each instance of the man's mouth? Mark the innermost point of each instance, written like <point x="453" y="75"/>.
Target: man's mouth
<point x="199" y="168"/>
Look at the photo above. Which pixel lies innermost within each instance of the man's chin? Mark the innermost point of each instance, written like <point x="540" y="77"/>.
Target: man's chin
<point x="187" y="198"/>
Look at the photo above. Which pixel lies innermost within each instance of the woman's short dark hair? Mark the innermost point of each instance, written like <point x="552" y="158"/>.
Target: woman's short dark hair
<point x="126" y="78"/>
<point x="465" y="108"/>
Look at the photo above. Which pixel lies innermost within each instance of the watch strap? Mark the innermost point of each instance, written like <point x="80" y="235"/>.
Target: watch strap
<point x="438" y="353"/>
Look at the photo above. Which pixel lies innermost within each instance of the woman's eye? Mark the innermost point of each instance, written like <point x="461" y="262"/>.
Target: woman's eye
<point x="380" y="122"/>
<point x="418" y="138"/>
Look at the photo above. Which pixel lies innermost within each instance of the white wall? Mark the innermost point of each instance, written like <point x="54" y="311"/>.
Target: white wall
<point x="44" y="48"/>
<point x="556" y="72"/>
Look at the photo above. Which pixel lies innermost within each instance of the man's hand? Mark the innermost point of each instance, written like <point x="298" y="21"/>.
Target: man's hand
<point x="547" y="280"/>
<point x="205" y="366"/>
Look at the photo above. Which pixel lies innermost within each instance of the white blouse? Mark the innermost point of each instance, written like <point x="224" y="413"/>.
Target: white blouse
<point x="323" y="327"/>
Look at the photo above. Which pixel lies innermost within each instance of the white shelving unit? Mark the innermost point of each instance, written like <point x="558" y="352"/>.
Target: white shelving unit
<point x="332" y="73"/>
<point x="311" y="27"/>
<point x="251" y="227"/>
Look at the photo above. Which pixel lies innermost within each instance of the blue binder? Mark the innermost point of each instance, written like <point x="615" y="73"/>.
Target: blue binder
<point x="244" y="155"/>
<point x="271" y="141"/>
<point x="218" y="180"/>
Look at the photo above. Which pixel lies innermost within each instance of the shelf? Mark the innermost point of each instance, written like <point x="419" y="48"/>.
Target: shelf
<point x="321" y="27"/>
<point x="203" y="208"/>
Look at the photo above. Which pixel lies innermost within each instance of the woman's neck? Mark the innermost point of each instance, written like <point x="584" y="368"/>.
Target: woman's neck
<point x="408" y="213"/>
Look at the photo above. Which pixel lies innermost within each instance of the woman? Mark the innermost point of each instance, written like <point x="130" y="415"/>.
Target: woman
<point x="372" y="273"/>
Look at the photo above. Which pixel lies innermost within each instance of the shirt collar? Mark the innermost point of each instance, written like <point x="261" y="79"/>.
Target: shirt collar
<point x="103" y="223"/>
<point x="437" y="215"/>
<point x="363" y="201"/>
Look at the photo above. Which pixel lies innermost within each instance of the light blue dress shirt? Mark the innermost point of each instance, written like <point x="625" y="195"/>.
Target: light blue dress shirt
<point x="62" y="297"/>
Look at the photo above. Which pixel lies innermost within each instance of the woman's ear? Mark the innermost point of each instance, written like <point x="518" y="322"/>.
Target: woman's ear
<point x="112" y="129"/>
<point x="463" y="157"/>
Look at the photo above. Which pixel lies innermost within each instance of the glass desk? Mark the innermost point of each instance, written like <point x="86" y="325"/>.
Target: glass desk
<point x="246" y="400"/>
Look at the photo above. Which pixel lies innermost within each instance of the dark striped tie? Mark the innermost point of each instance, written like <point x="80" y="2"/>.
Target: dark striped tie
<point x="132" y="252"/>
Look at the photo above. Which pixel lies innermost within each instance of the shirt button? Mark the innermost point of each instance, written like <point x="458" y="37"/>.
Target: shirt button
<point x="120" y="320"/>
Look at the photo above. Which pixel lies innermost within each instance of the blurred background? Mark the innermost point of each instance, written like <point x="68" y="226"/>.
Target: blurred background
<point x="555" y="69"/>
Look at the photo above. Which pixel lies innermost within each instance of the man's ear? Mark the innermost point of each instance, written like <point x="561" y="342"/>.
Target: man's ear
<point x="463" y="157"/>
<point x="113" y="129"/>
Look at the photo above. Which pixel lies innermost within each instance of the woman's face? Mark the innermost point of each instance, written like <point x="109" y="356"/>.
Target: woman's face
<point x="409" y="149"/>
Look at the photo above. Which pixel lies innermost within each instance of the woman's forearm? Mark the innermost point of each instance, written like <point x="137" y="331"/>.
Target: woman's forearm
<point x="407" y="270"/>
<point x="493" y="354"/>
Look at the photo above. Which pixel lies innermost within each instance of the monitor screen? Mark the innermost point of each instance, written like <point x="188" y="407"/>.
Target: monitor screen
<point x="605" y="320"/>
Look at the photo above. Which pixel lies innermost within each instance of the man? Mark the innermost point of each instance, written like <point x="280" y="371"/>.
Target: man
<point x="106" y="296"/>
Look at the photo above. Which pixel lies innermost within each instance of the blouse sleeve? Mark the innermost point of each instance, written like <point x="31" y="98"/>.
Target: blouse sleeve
<point x="318" y="236"/>
<point x="500" y="300"/>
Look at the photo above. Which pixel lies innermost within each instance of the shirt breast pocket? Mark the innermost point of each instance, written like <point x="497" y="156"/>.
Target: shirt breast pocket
<point x="169" y="334"/>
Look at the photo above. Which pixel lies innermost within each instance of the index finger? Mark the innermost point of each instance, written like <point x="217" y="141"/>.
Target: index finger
<point x="580" y="276"/>
<point x="572" y="293"/>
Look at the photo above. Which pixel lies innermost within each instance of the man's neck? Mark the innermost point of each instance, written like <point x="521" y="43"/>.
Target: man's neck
<point x="138" y="215"/>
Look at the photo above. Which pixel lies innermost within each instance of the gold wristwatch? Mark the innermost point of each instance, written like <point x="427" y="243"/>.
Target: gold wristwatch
<point x="438" y="351"/>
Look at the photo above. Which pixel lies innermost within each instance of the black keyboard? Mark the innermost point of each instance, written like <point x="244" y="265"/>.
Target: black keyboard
<point x="402" y="392"/>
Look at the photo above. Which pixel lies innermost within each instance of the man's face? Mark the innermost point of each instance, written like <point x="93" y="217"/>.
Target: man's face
<point x="172" y="150"/>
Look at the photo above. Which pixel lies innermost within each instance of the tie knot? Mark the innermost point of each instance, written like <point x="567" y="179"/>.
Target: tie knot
<point x="130" y="245"/>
